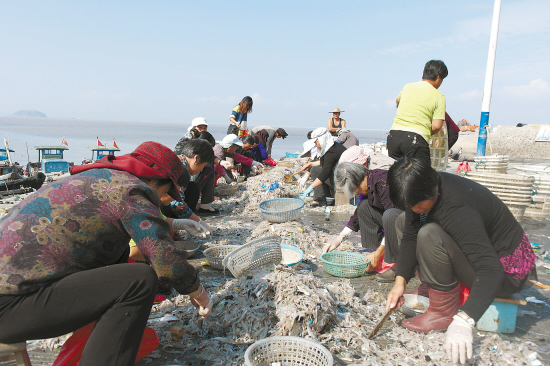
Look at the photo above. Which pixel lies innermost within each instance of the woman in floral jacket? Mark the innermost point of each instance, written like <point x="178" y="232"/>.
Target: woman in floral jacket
<point x="64" y="248"/>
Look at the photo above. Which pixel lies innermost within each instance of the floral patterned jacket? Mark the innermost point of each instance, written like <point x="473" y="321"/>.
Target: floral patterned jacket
<point x="83" y="222"/>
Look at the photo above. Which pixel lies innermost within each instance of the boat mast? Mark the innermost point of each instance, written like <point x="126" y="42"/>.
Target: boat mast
<point x="487" y="90"/>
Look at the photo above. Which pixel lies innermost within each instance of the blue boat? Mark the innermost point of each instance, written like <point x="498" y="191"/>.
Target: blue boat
<point x="51" y="159"/>
<point x="99" y="152"/>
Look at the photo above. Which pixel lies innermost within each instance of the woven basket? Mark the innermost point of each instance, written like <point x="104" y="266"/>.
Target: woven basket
<point x="344" y="264"/>
<point x="253" y="255"/>
<point x="226" y="190"/>
<point x="287" y="351"/>
<point x="215" y="255"/>
<point x="281" y="209"/>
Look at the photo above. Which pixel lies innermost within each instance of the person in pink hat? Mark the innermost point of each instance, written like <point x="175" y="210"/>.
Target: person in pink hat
<point x="375" y="215"/>
<point x="65" y="250"/>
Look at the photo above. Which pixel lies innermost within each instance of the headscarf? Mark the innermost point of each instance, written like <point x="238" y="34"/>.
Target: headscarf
<point x="150" y="160"/>
<point x="325" y="139"/>
<point x="263" y="136"/>
<point x="354" y="154"/>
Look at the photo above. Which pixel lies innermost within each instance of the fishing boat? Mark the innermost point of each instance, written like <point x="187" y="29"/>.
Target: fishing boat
<point x="11" y="182"/>
<point x="99" y="152"/>
<point x="50" y="159"/>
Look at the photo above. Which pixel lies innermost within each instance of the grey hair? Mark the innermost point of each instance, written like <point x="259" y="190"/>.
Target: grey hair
<point x="349" y="176"/>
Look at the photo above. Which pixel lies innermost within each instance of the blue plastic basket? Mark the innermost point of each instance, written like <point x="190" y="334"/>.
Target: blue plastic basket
<point x="292" y="155"/>
<point x="344" y="264"/>
<point x="281" y="209"/>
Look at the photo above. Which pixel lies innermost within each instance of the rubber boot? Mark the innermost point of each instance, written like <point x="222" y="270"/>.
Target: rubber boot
<point x="443" y="306"/>
<point x="422" y="290"/>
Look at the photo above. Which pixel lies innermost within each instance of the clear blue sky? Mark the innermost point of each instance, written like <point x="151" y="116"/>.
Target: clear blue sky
<point x="171" y="61"/>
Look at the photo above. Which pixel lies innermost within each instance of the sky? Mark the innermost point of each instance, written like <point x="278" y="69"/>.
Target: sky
<point x="170" y="61"/>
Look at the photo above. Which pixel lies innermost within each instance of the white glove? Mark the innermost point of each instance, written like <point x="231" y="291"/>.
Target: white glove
<point x="236" y="175"/>
<point x="203" y="311"/>
<point x="254" y="169"/>
<point x="257" y="164"/>
<point x="192" y="227"/>
<point x="459" y="340"/>
<point x="335" y="243"/>
<point x="205" y="228"/>
<point x="302" y="182"/>
<point x="226" y="164"/>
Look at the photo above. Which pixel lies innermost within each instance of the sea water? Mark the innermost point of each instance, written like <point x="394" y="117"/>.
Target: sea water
<point x="23" y="134"/>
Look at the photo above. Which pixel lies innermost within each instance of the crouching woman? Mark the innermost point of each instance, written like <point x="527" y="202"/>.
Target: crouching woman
<point x="456" y="231"/>
<point x="64" y="253"/>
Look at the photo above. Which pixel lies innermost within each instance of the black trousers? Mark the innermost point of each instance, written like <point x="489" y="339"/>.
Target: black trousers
<point x="442" y="263"/>
<point x="202" y="187"/>
<point x="413" y="145"/>
<point x="119" y="297"/>
<point x="371" y="223"/>
<point x="325" y="190"/>
<point x="246" y="168"/>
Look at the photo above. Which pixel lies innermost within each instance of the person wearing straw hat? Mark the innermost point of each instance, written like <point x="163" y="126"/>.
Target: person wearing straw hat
<point x="336" y="123"/>
<point x="65" y="252"/>
<point x="460" y="235"/>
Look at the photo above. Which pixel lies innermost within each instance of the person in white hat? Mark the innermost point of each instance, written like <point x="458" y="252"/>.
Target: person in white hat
<point x="198" y="125"/>
<point x="227" y="149"/>
<point x="336" y="123"/>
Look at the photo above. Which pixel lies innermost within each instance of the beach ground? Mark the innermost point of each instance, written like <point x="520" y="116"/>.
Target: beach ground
<point x="534" y="327"/>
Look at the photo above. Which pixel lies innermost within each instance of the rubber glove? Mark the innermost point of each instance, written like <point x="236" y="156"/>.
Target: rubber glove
<point x="203" y="304"/>
<point x="228" y="179"/>
<point x="206" y="229"/>
<point x="226" y="164"/>
<point x="335" y="243"/>
<point x="192" y="227"/>
<point x="459" y="340"/>
<point x="306" y="192"/>
<point x="302" y="182"/>
<point x="257" y="164"/>
<point x="254" y="169"/>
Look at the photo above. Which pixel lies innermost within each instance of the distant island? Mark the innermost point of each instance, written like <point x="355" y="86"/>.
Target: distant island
<point x="29" y="113"/>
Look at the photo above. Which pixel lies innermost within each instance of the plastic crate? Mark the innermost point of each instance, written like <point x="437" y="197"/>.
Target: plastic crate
<point x="287" y="351"/>
<point x="281" y="209"/>
<point x="344" y="264"/>
<point x="252" y="255"/>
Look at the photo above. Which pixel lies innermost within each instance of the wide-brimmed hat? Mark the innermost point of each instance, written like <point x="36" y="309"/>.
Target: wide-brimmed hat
<point x="354" y="154"/>
<point x="336" y="110"/>
<point x="231" y="140"/>
<point x="163" y="161"/>
<point x="199" y="121"/>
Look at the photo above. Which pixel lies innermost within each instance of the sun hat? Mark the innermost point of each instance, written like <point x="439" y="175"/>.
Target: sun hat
<point x="282" y="133"/>
<point x="354" y="154"/>
<point x="336" y="110"/>
<point x="231" y="140"/>
<point x="199" y="121"/>
<point x="163" y="161"/>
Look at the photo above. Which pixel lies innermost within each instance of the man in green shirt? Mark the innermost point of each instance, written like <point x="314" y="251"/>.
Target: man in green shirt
<point x="420" y="114"/>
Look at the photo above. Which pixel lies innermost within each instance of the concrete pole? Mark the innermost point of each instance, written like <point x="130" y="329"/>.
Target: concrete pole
<point x="487" y="90"/>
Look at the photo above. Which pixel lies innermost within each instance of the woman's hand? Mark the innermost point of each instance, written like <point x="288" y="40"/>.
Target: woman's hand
<point x="203" y="304"/>
<point x="306" y="166"/>
<point x="395" y="296"/>
<point x="331" y="245"/>
<point x="375" y="258"/>
<point x="459" y="340"/>
<point x="192" y="227"/>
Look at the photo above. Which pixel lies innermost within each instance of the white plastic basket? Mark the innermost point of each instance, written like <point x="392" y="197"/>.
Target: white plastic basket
<point x="287" y="351"/>
<point x="215" y="255"/>
<point x="439" y="149"/>
<point x="255" y="254"/>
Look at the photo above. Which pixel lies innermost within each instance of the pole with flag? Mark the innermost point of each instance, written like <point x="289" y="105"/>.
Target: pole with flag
<point x="99" y="142"/>
<point x="487" y="90"/>
<point x="64" y="142"/>
<point x="114" y="143"/>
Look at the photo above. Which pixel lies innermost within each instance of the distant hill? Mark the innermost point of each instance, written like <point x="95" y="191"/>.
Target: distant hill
<point x="29" y="113"/>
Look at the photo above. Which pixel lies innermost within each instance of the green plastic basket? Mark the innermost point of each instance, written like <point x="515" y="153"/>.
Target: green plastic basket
<point x="344" y="264"/>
